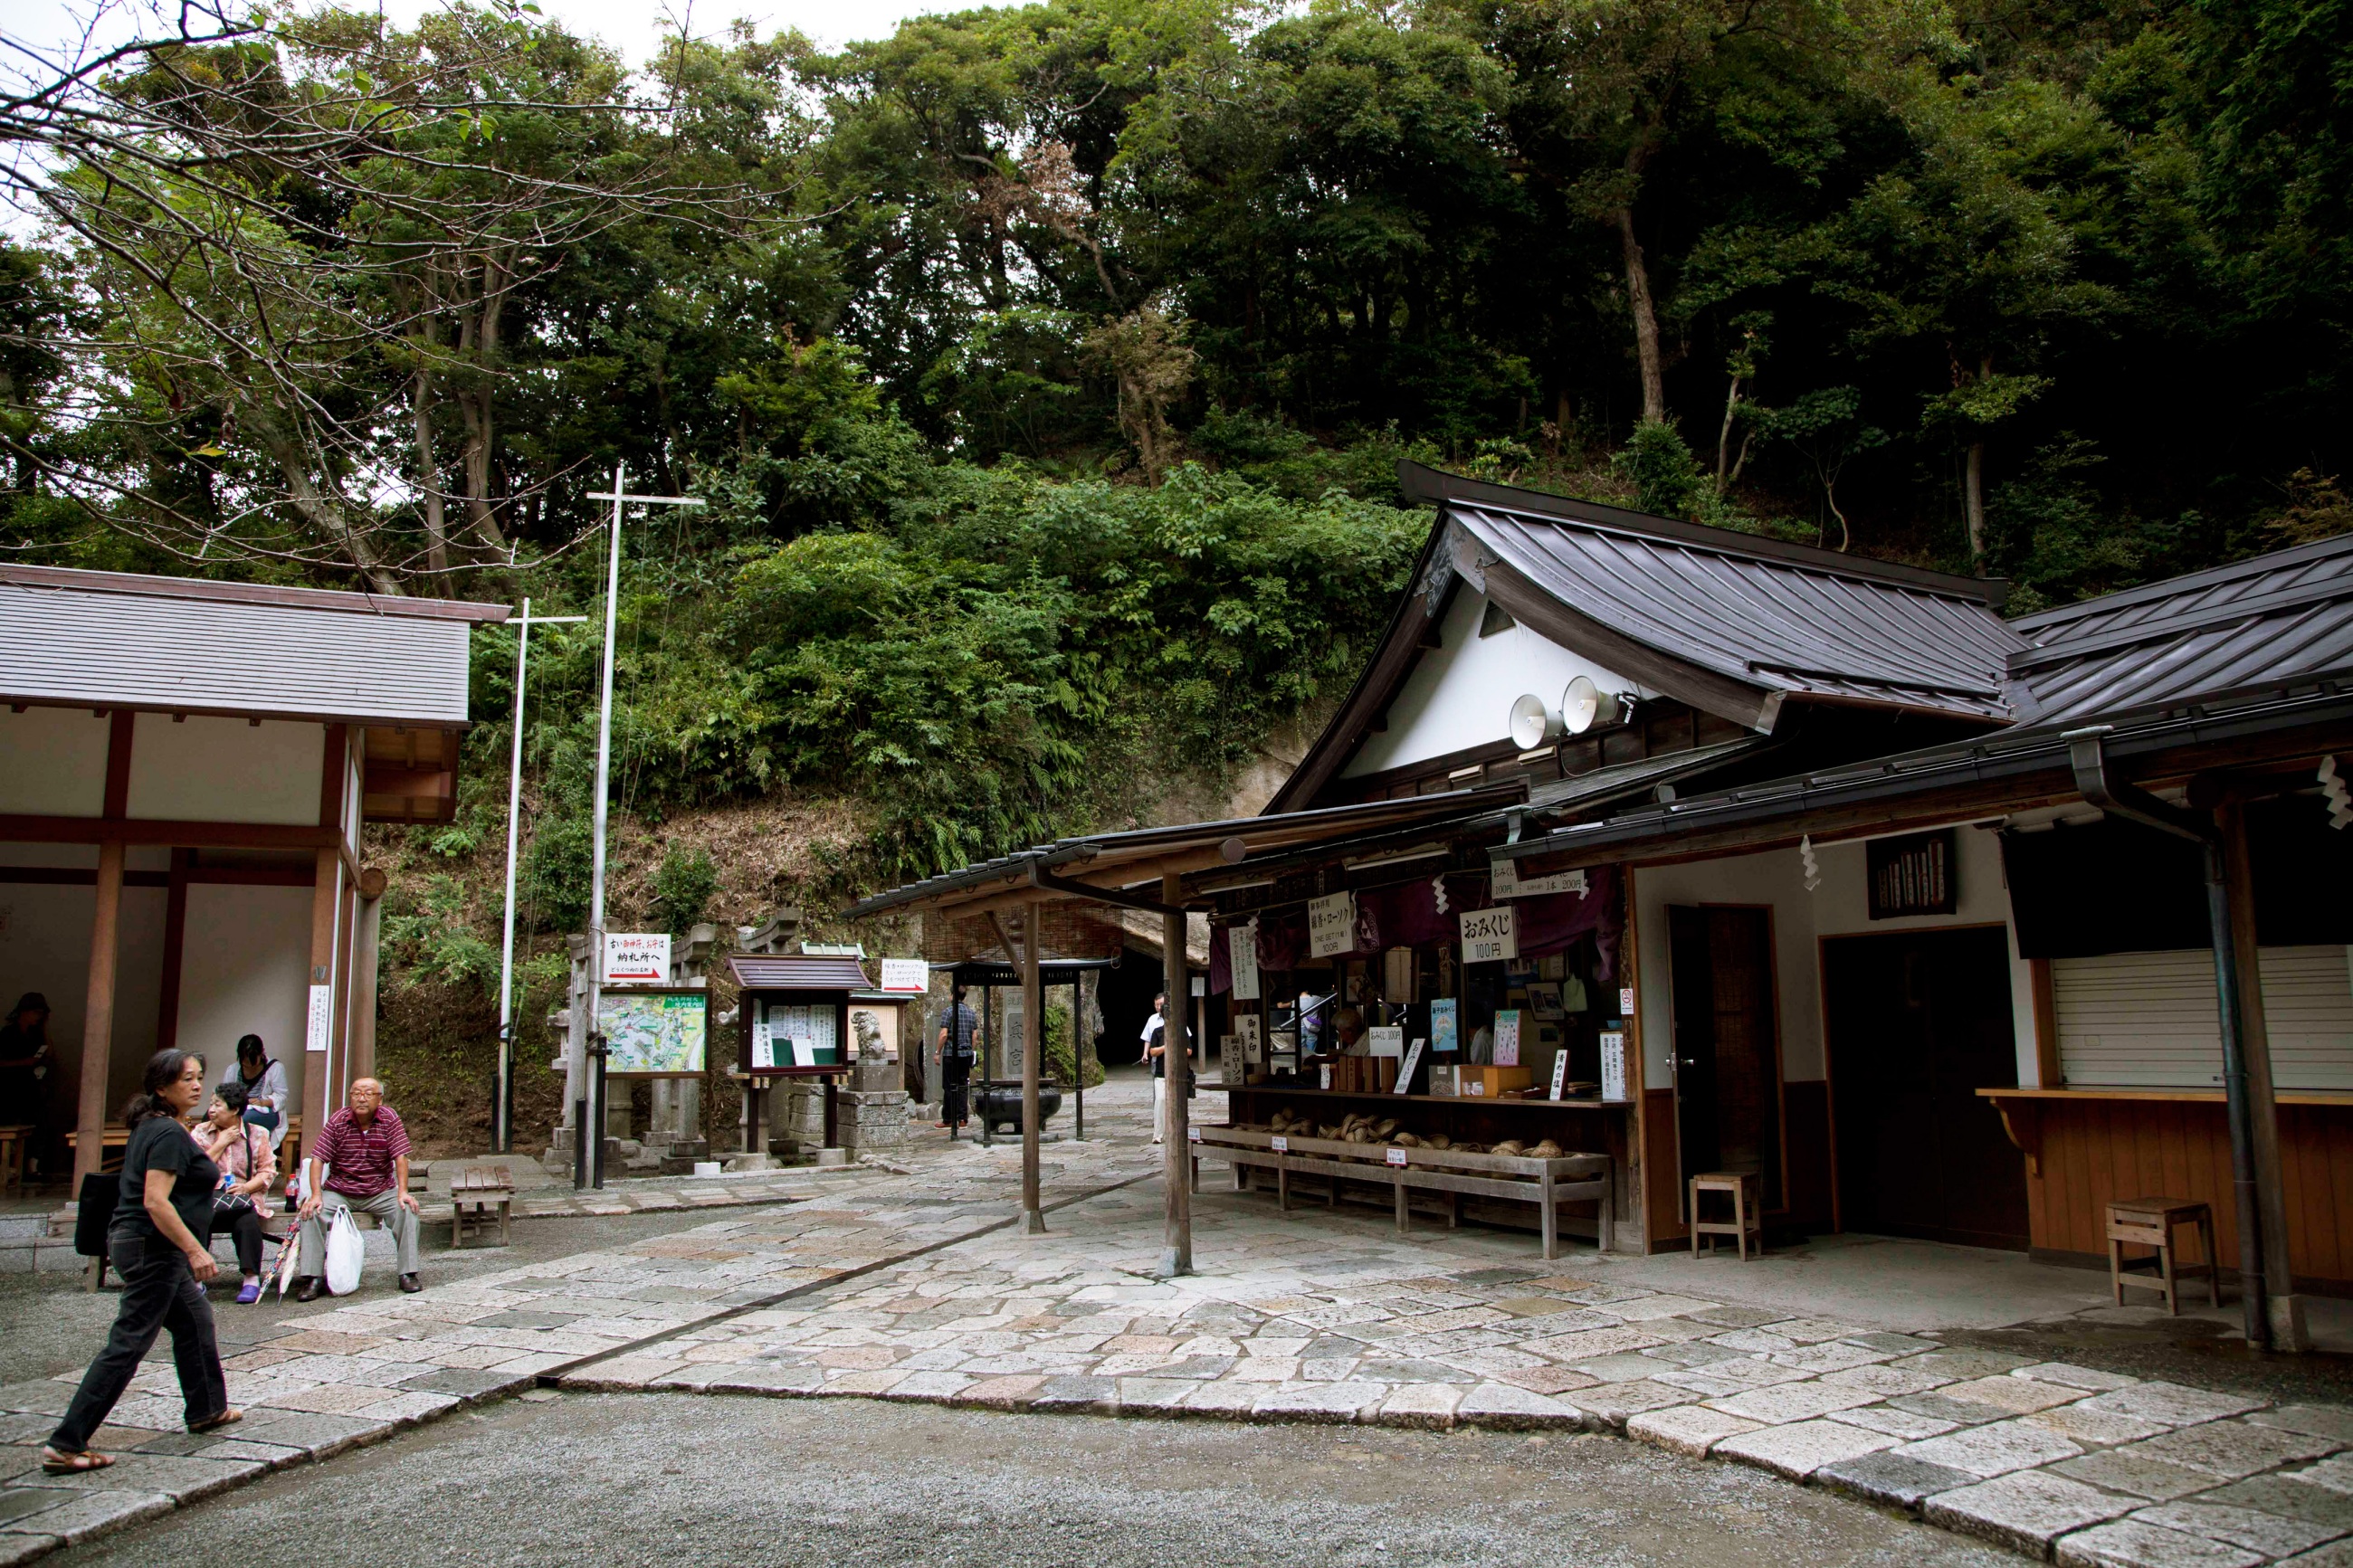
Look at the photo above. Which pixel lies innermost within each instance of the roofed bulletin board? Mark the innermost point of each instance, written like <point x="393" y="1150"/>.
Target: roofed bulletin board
<point x="655" y="1034"/>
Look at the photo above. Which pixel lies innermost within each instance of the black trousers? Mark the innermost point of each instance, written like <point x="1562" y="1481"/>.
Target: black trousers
<point x="158" y="1292"/>
<point x="954" y="1073"/>
<point x="244" y="1227"/>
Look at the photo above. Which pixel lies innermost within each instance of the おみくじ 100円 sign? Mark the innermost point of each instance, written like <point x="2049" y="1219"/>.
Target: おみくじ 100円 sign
<point x="1489" y="935"/>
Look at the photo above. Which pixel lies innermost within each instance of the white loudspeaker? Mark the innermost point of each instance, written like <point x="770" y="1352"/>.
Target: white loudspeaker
<point x="1580" y="705"/>
<point x="1533" y="724"/>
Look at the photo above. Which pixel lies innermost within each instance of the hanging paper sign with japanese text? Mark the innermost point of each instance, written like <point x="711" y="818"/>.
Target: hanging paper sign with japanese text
<point x="318" y="1026"/>
<point x="637" y="958"/>
<point x="1507" y="1037"/>
<point x="1246" y="1025"/>
<point x="1412" y="1061"/>
<point x="1384" y="1040"/>
<point x="1490" y="935"/>
<point x="1332" y="925"/>
<point x="1243" y="946"/>
<point x="1508" y="883"/>
<point x="1613" y="1065"/>
<point x="1444" y="1025"/>
<point x="906" y="976"/>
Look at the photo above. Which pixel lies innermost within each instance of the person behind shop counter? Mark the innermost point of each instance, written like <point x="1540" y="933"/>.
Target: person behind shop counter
<point x="1348" y="1033"/>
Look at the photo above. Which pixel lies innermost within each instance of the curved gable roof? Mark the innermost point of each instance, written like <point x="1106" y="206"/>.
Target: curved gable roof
<point x="1730" y="622"/>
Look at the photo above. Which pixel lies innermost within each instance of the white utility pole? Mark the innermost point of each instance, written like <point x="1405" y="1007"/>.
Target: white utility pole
<point x="502" y="1106"/>
<point x="619" y="496"/>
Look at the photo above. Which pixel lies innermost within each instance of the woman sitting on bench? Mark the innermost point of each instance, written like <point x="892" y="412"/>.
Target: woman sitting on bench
<point x="241" y="1149"/>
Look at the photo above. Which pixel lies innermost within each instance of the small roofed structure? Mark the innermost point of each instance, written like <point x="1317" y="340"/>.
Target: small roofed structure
<point x="185" y="768"/>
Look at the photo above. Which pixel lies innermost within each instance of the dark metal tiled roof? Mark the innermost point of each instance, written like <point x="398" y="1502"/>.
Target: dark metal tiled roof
<point x="1586" y="790"/>
<point x="2271" y="621"/>
<point x="1830" y="629"/>
<point x="798" y="972"/>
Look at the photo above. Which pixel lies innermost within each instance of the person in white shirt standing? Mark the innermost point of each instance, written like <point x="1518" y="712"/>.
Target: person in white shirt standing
<point x="1156" y="1052"/>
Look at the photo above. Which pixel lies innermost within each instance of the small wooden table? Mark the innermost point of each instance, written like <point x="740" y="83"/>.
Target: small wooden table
<point x="2150" y="1222"/>
<point x="1747" y="1209"/>
<point x="474" y="1191"/>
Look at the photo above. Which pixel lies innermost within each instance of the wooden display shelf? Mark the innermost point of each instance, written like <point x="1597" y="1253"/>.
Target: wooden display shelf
<point x="1388" y="1097"/>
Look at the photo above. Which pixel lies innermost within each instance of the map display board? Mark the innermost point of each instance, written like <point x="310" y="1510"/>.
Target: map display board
<point x="654" y="1032"/>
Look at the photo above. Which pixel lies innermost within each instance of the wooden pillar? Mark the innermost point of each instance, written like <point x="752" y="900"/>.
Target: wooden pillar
<point x="1033" y="1051"/>
<point x="98" y="1026"/>
<point x="175" y="941"/>
<point x="105" y="926"/>
<point x="319" y="1095"/>
<point x="367" y="929"/>
<point x="1177" y="1166"/>
<point x="2285" y="1307"/>
<point x="1635" y="1136"/>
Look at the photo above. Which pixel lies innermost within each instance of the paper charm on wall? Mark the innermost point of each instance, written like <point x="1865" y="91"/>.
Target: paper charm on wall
<point x="1438" y="886"/>
<point x="2340" y="804"/>
<point x="1812" y="867"/>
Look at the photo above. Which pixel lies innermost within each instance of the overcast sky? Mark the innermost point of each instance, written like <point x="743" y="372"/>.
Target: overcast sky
<point x="633" y="26"/>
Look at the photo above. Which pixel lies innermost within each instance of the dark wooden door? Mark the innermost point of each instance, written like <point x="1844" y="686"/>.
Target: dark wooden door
<point x="1726" y="1066"/>
<point x="1920" y="1021"/>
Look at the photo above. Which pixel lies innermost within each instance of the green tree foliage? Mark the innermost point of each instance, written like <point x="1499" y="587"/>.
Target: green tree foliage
<point x="1044" y="368"/>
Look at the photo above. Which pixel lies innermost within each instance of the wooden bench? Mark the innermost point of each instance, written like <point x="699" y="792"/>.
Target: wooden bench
<point x="12" y="1159"/>
<point x="116" y="1138"/>
<point x="474" y="1191"/>
<point x="1514" y="1178"/>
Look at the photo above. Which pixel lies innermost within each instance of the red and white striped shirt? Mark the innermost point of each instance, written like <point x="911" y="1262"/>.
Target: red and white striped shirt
<point x="359" y="1156"/>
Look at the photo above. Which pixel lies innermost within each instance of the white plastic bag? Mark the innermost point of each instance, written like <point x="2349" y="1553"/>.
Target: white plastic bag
<point x="345" y="1248"/>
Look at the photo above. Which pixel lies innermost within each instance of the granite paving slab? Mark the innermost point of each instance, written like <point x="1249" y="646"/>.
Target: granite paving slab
<point x="1895" y="1479"/>
<point x="1799" y="1448"/>
<point x="2250" y="1528"/>
<point x="2129" y="1543"/>
<point x="2025" y="1512"/>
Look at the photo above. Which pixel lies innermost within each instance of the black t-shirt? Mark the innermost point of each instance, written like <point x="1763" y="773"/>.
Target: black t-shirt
<point x="161" y="1144"/>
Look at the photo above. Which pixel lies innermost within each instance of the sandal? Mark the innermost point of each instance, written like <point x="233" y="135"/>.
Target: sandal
<point x="54" y="1462"/>
<point x="225" y="1418"/>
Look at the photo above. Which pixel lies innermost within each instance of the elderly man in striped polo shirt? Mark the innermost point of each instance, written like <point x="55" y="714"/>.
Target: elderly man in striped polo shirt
<point x="364" y="1151"/>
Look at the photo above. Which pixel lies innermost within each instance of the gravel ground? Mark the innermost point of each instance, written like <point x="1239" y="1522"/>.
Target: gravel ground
<point x="674" y="1478"/>
<point x="49" y="1324"/>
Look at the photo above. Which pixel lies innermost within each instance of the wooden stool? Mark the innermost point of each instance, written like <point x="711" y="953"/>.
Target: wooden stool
<point x="474" y="1191"/>
<point x="1747" y="1209"/>
<point x="2149" y="1222"/>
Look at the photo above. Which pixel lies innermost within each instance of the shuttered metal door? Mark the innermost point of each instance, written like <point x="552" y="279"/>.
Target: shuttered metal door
<point x="2149" y="1019"/>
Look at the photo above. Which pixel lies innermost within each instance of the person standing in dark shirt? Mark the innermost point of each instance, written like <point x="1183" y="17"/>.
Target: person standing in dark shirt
<point x="165" y="1205"/>
<point x="25" y="1061"/>
<point x="956" y="1027"/>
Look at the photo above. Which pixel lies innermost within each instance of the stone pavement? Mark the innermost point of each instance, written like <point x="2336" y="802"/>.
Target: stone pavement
<point x="363" y="1371"/>
<point x="1318" y="1317"/>
<point x="918" y="1288"/>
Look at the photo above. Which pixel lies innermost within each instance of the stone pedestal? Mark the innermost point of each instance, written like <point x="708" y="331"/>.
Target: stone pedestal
<point x="557" y="1160"/>
<point x="873" y="1121"/>
<point x="797" y="1118"/>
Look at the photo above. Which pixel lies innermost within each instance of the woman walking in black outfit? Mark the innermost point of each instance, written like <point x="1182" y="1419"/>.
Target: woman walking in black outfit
<point x="166" y="1204"/>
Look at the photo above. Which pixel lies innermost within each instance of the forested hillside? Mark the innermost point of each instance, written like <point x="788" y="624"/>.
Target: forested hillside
<point x="1045" y="368"/>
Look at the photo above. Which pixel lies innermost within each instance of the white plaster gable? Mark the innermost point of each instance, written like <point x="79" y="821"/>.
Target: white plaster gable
<point x="1460" y="695"/>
